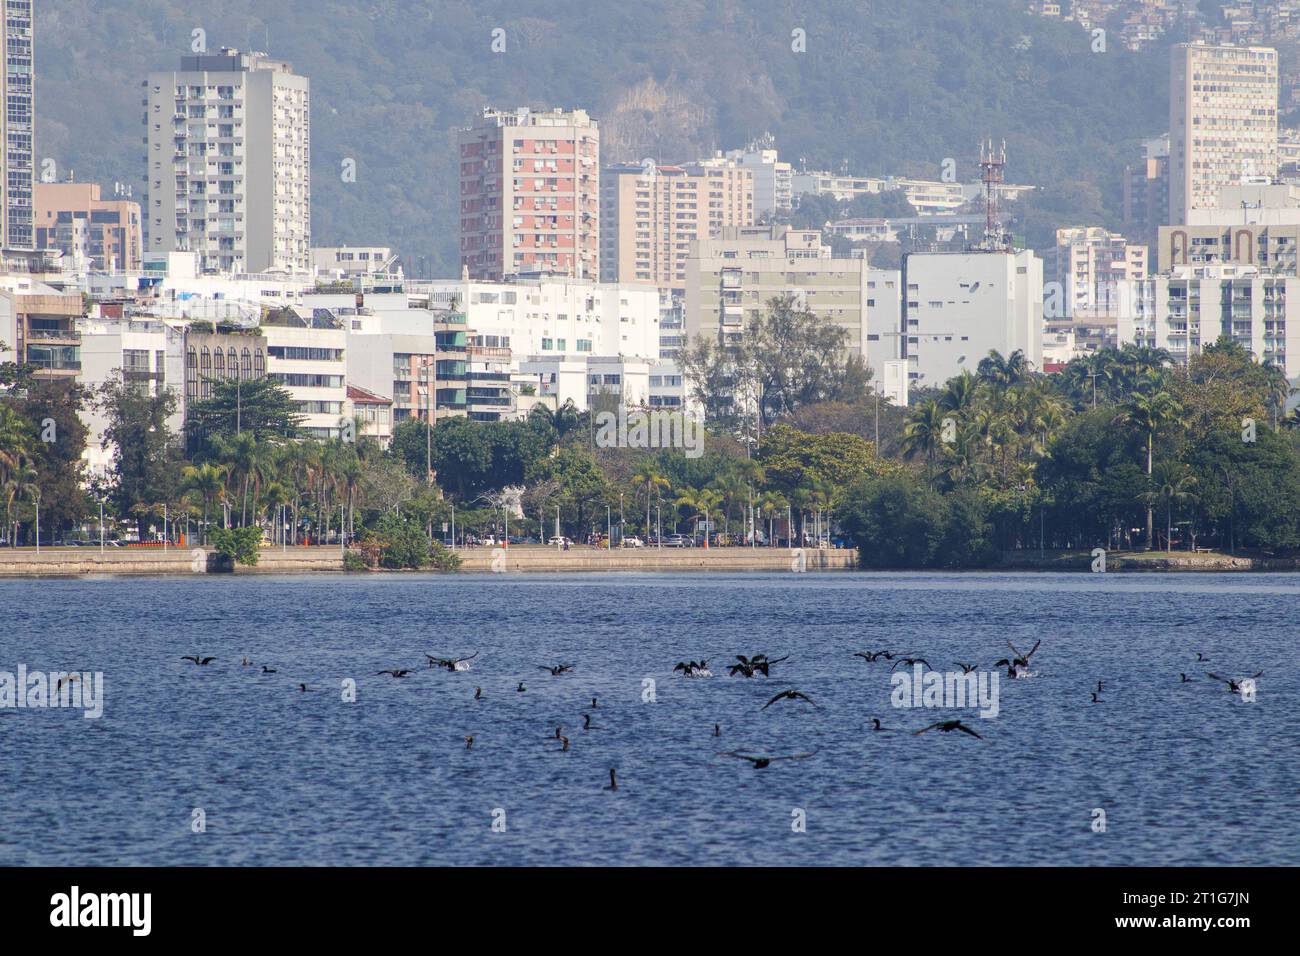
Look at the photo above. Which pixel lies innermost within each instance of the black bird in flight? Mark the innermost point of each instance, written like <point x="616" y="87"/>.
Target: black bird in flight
<point x="948" y="726"/>
<point x="1234" y="686"/>
<point x="872" y="656"/>
<point x="758" y="664"/>
<point x="392" y="673"/>
<point x="967" y="668"/>
<point x="451" y="663"/>
<point x="693" y="668"/>
<point x="202" y="661"/>
<point x="789" y="695"/>
<point x="1022" y="660"/>
<point x="762" y="763"/>
<point x="910" y="661"/>
<point x="558" y="669"/>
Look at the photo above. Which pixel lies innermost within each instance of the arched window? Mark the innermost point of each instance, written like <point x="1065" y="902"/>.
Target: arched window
<point x="205" y="373"/>
<point x="259" y="364"/>
<point x="247" y="372"/>
<point x="191" y="373"/>
<point x="219" y="363"/>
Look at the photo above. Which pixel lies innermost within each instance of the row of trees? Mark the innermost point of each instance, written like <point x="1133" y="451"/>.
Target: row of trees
<point x="1123" y="449"/>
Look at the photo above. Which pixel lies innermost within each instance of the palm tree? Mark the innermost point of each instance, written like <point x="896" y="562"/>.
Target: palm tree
<point x="700" y="501"/>
<point x="1171" y="486"/>
<point x="769" y="505"/>
<point x="924" y="430"/>
<point x="959" y="394"/>
<point x="652" y="482"/>
<point x="209" y="482"/>
<point x="1150" y="411"/>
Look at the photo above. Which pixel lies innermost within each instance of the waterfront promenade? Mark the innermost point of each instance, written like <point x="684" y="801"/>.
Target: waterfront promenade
<point x="75" y="562"/>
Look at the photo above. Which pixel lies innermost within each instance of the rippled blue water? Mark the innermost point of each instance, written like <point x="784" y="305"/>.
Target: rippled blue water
<point x="1186" y="773"/>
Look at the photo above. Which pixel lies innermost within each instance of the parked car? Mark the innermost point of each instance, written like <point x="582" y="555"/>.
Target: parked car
<point x="679" y="541"/>
<point x="631" y="541"/>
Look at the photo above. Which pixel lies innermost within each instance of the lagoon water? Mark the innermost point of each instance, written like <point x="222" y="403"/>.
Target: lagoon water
<point x="1186" y="773"/>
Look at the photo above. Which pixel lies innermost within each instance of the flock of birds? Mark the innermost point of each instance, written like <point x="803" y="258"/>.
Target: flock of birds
<point x="1017" y="668"/>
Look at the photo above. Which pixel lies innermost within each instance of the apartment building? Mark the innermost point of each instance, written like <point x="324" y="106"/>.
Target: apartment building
<point x="17" y="127"/>
<point x="400" y="348"/>
<point x="773" y="179"/>
<point x="530" y="194"/>
<point x="306" y="354"/>
<point x="651" y="214"/>
<point x="1084" y="269"/>
<point x="958" y="307"/>
<point x="93" y="234"/>
<point x="228" y="160"/>
<point x="38" y="323"/>
<point x="373" y="412"/>
<point x="1254" y="224"/>
<point x="349" y="261"/>
<point x="1146" y="192"/>
<point x="147" y="352"/>
<point x="1222" y="120"/>
<point x="1196" y="305"/>
<point x="555" y="316"/>
<point x="732" y="277"/>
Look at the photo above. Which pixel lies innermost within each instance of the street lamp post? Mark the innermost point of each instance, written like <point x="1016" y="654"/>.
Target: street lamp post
<point x="38" y="521"/>
<point x="101" y="526"/>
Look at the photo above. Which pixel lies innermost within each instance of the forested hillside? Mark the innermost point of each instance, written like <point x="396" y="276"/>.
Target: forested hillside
<point x="884" y="87"/>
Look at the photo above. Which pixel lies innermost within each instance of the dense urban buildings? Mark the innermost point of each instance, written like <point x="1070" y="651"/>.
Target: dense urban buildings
<point x="1223" y="122"/>
<point x="530" y="194"/>
<point x="229" y="163"/>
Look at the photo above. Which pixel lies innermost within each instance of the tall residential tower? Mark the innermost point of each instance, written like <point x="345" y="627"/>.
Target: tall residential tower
<point x="1222" y="122"/>
<point x="530" y="194"/>
<point x="17" y="126"/>
<point x="229" y="163"/>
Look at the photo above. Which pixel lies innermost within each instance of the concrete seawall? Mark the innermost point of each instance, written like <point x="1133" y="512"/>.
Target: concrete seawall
<point x="79" y="562"/>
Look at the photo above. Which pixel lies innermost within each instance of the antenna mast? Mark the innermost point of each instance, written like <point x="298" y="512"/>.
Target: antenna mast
<point x="993" y="175"/>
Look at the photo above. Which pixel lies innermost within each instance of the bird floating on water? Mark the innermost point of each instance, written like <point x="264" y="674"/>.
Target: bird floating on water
<point x="558" y="669"/>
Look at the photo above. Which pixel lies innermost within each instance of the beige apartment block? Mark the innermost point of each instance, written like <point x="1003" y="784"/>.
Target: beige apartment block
<point x="732" y="277"/>
<point x="229" y="163"/>
<point x="97" y="234"/>
<point x="1222" y="120"/>
<point x="530" y="194"/>
<point x="651" y="214"/>
<point x="1255" y="224"/>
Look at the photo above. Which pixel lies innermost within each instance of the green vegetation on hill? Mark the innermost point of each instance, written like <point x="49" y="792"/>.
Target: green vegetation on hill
<point x="884" y="87"/>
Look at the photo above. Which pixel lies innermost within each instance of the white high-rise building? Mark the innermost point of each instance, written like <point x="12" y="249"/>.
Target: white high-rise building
<point x="229" y="163"/>
<point x="958" y="307"/>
